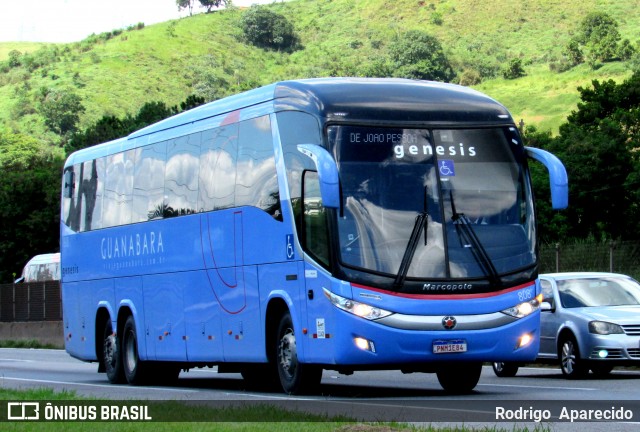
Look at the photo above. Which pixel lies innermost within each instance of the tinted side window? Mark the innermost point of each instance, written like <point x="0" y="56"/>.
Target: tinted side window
<point x="316" y="239"/>
<point x="297" y="128"/>
<point x="92" y="191"/>
<point x="71" y="205"/>
<point x="118" y="190"/>
<point x="181" y="175"/>
<point x="148" y="183"/>
<point x="257" y="181"/>
<point x="218" y="168"/>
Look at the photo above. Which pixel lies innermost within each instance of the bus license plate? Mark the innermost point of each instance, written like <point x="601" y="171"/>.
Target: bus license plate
<point x="449" y="346"/>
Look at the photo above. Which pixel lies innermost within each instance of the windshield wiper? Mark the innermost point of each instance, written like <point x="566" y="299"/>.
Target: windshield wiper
<point x="419" y="226"/>
<point x="468" y="235"/>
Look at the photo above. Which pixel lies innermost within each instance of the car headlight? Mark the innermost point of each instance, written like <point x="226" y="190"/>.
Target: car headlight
<point x="523" y="309"/>
<point x="604" y="328"/>
<point x="362" y="310"/>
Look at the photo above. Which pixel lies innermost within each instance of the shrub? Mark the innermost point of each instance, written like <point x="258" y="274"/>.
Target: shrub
<point x="514" y="69"/>
<point x="269" y="30"/>
<point x="419" y="55"/>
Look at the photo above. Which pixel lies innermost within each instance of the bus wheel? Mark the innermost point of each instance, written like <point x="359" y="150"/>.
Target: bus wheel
<point x="295" y="377"/>
<point x="460" y="378"/>
<point x="111" y="355"/>
<point x="134" y="369"/>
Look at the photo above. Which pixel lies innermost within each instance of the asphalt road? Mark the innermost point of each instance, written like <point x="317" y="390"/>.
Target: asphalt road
<point x="387" y="395"/>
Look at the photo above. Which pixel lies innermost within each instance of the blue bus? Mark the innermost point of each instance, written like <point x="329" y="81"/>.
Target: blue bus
<point x="341" y="224"/>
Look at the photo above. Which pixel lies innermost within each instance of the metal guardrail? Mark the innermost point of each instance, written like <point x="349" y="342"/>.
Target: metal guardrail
<point x="34" y="301"/>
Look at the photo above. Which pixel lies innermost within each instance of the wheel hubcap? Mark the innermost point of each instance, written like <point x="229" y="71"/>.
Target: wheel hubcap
<point x="110" y="349"/>
<point x="287" y="355"/>
<point x="568" y="357"/>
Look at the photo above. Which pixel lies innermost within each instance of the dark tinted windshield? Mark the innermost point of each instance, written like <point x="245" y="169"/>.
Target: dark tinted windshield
<point x="390" y="175"/>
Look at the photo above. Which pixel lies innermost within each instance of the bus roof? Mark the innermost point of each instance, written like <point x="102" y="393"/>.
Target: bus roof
<point x="379" y="100"/>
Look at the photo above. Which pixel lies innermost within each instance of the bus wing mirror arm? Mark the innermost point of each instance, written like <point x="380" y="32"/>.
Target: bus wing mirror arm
<point x="327" y="173"/>
<point x="558" y="180"/>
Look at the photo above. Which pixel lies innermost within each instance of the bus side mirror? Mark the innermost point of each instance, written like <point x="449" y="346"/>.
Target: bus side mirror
<point x="327" y="173"/>
<point x="558" y="180"/>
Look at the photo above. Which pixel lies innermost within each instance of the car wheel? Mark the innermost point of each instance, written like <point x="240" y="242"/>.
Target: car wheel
<point x="570" y="363"/>
<point x="505" y="369"/>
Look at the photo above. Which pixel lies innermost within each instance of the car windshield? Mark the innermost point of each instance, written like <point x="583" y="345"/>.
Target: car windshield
<point x="601" y="291"/>
<point x="467" y="186"/>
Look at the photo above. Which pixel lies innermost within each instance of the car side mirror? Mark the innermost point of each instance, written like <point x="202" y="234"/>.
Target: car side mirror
<point x="547" y="307"/>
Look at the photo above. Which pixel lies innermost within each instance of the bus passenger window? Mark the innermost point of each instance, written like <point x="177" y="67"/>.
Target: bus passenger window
<point x="218" y="156"/>
<point x="71" y="186"/>
<point x="181" y="175"/>
<point x="92" y="189"/>
<point x="316" y="239"/>
<point x="257" y="180"/>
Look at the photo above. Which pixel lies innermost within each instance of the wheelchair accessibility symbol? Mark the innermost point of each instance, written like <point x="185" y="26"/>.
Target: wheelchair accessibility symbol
<point x="446" y="168"/>
<point x="290" y="251"/>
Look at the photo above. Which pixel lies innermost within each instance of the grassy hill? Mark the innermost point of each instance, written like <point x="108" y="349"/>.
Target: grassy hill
<point x="24" y="47"/>
<point x="116" y="73"/>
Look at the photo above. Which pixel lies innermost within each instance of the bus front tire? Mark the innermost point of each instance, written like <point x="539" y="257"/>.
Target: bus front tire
<point x="295" y="377"/>
<point x="111" y="355"/>
<point x="459" y="378"/>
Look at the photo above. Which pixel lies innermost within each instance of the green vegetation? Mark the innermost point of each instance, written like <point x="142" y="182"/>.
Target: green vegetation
<point x="28" y="343"/>
<point x="114" y="73"/>
<point x="531" y="56"/>
<point x="22" y="47"/>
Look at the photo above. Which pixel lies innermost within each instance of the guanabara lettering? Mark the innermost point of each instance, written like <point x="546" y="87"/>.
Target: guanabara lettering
<point x="127" y="246"/>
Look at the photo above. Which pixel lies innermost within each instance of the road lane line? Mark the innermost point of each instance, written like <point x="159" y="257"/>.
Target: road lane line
<point x="538" y="387"/>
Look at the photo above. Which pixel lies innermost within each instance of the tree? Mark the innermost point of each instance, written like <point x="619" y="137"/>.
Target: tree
<point x="186" y="4"/>
<point x="419" y="55"/>
<point x="269" y="30"/>
<point x="61" y="111"/>
<point x="210" y="4"/>
<point x="598" y="34"/>
<point x="29" y="201"/>
<point x="598" y="146"/>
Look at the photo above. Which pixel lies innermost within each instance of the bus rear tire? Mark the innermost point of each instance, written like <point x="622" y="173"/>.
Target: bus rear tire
<point x="460" y="378"/>
<point x="295" y="377"/>
<point x="135" y="370"/>
<point x="111" y="355"/>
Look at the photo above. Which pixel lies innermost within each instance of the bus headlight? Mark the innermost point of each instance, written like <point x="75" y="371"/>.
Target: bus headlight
<point x="362" y="310"/>
<point x="523" y="309"/>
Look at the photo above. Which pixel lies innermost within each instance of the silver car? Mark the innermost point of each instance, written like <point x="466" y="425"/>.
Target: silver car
<point x="589" y="321"/>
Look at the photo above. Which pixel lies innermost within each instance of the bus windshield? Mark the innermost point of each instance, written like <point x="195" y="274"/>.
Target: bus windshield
<point x="470" y="184"/>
